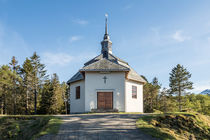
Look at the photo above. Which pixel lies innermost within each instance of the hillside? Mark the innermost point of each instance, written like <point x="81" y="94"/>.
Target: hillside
<point x="205" y="92"/>
<point x="176" y="126"/>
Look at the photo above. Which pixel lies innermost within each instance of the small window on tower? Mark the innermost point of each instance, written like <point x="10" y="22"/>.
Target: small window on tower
<point x="78" y="92"/>
<point x="134" y="92"/>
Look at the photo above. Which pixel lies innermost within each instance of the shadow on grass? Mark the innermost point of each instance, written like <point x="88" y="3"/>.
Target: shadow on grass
<point x="157" y="133"/>
<point x="144" y="125"/>
<point x="26" y="127"/>
<point x="52" y="127"/>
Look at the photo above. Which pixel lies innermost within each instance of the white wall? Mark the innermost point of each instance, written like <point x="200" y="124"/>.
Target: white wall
<point x="132" y="104"/>
<point x="77" y="105"/>
<point x="115" y="83"/>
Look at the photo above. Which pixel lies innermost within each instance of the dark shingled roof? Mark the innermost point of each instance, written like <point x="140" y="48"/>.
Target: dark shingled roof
<point x="104" y="64"/>
<point x="111" y="63"/>
<point x="78" y="76"/>
<point x="110" y="57"/>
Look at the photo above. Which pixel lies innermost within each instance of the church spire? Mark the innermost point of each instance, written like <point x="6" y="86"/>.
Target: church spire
<point x="106" y="43"/>
<point x="106" y="35"/>
<point x="106" y="32"/>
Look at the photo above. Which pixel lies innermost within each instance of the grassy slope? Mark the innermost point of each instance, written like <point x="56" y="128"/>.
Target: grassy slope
<point x="27" y="127"/>
<point x="176" y="125"/>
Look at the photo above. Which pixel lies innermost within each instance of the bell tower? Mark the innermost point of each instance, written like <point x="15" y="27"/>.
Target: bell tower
<point x="106" y="43"/>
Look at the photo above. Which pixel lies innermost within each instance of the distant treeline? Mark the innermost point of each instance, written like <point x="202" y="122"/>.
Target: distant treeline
<point x="177" y="98"/>
<point x="27" y="89"/>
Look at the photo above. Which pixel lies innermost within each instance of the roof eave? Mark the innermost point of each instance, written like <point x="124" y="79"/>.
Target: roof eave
<point x="138" y="81"/>
<point x="73" y="81"/>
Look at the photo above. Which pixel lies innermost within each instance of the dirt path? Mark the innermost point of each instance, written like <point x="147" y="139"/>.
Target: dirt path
<point x="99" y="127"/>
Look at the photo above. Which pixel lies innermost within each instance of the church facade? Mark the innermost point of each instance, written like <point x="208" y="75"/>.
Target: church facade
<point x="106" y="83"/>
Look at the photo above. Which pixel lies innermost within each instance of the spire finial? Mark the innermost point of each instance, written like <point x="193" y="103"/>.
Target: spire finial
<point x="106" y="30"/>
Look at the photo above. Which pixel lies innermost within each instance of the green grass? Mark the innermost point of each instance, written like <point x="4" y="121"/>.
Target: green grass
<point x="52" y="127"/>
<point x="175" y="125"/>
<point x="144" y="125"/>
<point x="27" y="127"/>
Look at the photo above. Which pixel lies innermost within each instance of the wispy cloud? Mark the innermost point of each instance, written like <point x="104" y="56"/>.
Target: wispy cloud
<point x="81" y="21"/>
<point x="75" y="38"/>
<point x="56" y="58"/>
<point x="180" y="37"/>
<point x="128" y="6"/>
<point x="64" y="59"/>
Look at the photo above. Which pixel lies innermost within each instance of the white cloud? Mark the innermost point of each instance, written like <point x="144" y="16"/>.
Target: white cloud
<point x="57" y="58"/>
<point x="179" y="36"/>
<point x="75" y="38"/>
<point x="201" y="86"/>
<point x="64" y="59"/>
<point x="80" y="21"/>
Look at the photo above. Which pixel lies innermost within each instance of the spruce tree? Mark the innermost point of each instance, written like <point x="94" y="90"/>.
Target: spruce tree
<point x="6" y="83"/>
<point x="16" y="81"/>
<point x="27" y="76"/>
<point x="39" y="76"/>
<point x="150" y="92"/>
<point x="156" y="88"/>
<point x="179" y="82"/>
<point x="46" y="98"/>
<point x="52" y="100"/>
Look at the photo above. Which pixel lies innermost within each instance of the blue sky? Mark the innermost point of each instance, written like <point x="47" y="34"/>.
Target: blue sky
<point x="152" y="35"/>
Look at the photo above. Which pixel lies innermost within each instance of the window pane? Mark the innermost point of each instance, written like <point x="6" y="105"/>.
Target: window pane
<point x="78" y="92"/>
<point x="134" y="91"/>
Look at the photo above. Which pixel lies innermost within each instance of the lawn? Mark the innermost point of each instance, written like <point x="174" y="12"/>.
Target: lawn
<point x="176" y="126"/>
<point x="27" y="127"/>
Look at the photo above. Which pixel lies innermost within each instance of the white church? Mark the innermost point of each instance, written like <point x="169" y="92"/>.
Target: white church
<point x="106" y="83"/>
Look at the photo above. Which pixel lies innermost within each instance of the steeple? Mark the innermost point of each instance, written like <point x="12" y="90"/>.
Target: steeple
<point x="106" y="43"/>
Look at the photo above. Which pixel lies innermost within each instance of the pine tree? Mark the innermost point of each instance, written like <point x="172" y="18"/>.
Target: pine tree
<point x="150" y="92"/>
<point x="165" y="100"/>
<point x="39" y="76"/>
<point x="6" y="83"/>
<point x="16" y="81"/>
<point x="179" y="82"/>
<point x="46" y="98"/>
<point x="156" y="88"/>
<point x="65" y="96"/>
<point x="27" y="76"/>
<point x="58" y="95"/>
<point x="52" y="100"/>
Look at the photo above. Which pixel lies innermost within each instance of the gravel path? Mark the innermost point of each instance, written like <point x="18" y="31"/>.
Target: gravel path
<point x="99" y="127"/>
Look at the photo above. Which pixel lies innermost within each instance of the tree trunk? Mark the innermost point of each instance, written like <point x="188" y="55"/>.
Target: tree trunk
<point x="66" y="106"/>
<point x="180" y="108"/>
<point x="27" y="100"/>
<point x="35" y="101"/>
<point x="14" y="98"/>
<point x="2" y="104"/>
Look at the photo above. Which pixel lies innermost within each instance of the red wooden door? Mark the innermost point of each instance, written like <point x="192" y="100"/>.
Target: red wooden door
<point x="105" y="100"/>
